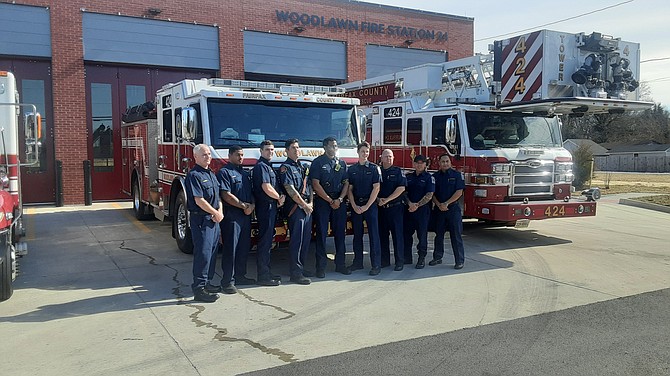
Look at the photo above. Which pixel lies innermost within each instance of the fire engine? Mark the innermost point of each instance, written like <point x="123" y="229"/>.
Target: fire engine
<point x="157" y="152"/>
<point x="11" y="206"/>
<point x="496" y="115"/>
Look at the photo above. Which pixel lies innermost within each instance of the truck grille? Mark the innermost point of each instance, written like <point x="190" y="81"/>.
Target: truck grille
<point x="532" y="178"/>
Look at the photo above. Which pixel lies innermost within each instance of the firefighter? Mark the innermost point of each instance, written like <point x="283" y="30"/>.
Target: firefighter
<point x="391" y="209"/>
<point x="293" y="177"/>
<point x="205" y="213"/>
<point x="268" y="199"/>
<point x="235" y="184"/>
<point x="364" y="180"/>
<point x="420" y="188"/>
<point x="449" y="188"/>
<point x="329" y="182"/>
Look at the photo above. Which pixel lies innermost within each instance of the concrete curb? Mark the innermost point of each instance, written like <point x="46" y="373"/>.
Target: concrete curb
<point x="645" y="205"/>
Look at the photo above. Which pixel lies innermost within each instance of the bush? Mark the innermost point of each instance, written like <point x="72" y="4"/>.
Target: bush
<point x="582" y="159"/>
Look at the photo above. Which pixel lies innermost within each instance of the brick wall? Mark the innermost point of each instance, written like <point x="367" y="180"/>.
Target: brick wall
<point x="232" y="17"/>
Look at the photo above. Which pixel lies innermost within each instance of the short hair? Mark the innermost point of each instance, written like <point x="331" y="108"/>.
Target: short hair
<point x="234" y="149"/>
<point x="197" y="148"/>
<point x="290" y="142"/>
<point x="328" y="140"/>
<point x="363" y="144"/>
<point x="265" y="143"/>
<point x="444" y="155"/>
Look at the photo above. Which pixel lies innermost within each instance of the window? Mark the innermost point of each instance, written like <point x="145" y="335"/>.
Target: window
<point x="414" y="131"/>
<point x="393" y="131"/>
<point x="102" y="130"/>
<point x="135" y="94"/>
<point x="167" y="125"/>
<point x="33" y="92"/>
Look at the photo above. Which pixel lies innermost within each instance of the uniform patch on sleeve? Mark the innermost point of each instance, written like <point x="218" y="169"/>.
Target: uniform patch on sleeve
<point x="282" y="169"/>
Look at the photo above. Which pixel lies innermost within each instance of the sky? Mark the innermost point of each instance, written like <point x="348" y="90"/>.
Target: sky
<point x="640" y="21"/>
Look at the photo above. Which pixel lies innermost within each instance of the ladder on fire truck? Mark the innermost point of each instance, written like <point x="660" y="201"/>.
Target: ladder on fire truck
<point x="467" y="80"/>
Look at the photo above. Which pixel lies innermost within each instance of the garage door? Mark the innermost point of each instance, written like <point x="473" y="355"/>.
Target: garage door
<point x="24" y="31"/>
<point x="119" y="39"/>
<point x="382" y="60"/>
<point x="286" y="55"/>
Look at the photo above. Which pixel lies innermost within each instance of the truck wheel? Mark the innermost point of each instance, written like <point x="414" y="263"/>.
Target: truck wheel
<point x="7" y="269"/>
<point x="139" y="207"/>
<point x="180" y="226"/>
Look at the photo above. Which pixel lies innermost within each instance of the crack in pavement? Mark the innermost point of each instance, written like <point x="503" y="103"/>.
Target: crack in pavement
<point x="221" y="333"/>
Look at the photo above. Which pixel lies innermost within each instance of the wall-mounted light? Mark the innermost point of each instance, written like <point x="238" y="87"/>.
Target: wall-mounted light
<point x="154" y="11"/>
<point x="409" y="42"/>
<point x="298" y="29"/>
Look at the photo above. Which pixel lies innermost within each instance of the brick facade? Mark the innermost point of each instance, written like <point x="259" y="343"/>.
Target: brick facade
<point x="232" y="17"/>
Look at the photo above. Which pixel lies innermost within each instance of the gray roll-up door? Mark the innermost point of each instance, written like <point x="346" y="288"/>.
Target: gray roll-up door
<point x="24" y="30"/>
<point x="287" y="55"/>
<point x="380" y="60"/>
<point x="119" y="39"/>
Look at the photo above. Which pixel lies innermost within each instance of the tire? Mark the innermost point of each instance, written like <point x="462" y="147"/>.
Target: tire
<point x="180" y="226"/>
<point x="139" y="207"/>
<point x="7" y="269"/>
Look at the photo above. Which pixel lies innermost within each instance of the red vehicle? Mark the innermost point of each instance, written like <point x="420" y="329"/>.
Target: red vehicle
<point x="497" y="117"/>
<point x="157" y="153"/>
<point x="12" y="113"/>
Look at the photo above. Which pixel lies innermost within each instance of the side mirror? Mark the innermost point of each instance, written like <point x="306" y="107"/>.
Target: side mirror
<point x="32" y="125"/>
<point x="450" y="131"/>
<point x="189" y="123"/>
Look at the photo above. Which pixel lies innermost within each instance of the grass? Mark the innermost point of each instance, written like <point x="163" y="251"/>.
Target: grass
<point x="621" y="182"/>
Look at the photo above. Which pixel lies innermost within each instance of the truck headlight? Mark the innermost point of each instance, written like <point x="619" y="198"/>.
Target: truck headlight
<point x="501" y="168"/>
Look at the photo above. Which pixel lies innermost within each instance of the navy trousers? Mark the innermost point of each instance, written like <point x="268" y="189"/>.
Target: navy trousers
<point x="451" y="221"/>
<point x="323" y="215"/>
<point x="391" y="223"/>
<point x="205" y="235"/>
<point x="417" y="222"/>
<point x="266" y="214"/>
<point x="370" y="218"/>
<point x="236" y="230"/>
<point x="300" y="229"/>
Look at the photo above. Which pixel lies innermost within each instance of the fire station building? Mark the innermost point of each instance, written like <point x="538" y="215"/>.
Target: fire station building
<point x="83" y="62"/>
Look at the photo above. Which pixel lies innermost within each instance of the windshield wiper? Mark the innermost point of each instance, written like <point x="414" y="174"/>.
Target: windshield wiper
<point x="237" y="139"/>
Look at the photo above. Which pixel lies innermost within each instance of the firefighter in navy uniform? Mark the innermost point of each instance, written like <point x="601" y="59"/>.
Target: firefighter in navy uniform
<point x="420" y="188"/>
<point x="268" y="199"/>
<point x="391" y="209"/>
<point x="293" y="177"/>
<point x="235" y="183"/>
<point x="449" y="188"/>
<point x="205" y="213"/>
<point x="329" y="182"/>
<point x="364" y="179"/>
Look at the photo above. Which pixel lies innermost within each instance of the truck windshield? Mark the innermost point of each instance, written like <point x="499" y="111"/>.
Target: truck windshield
<point x="247" y="123"/>
<point x="487" y="130"/>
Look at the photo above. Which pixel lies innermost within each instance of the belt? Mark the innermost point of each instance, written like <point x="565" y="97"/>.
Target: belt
<point x="392" y="204"/>
<point x="362" y="200"/>
<point x="199" y="212"/>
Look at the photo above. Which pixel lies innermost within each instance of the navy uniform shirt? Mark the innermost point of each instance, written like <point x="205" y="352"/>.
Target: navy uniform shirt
<point x="236" y="180"/>
<point x="447" y="183"/>
<point x="419" y="185"/>
<point x="263" y="173"/>
<point x="293" y="173"/>
<point x="362" y="177"/>
<point x="392" y="178"/>
<point x="201" y="182"/>
<point x="331" y="174"/>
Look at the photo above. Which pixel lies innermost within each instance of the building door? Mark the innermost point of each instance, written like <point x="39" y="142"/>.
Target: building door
<point x="33" y="81"/>
<point x="104" y="132"/>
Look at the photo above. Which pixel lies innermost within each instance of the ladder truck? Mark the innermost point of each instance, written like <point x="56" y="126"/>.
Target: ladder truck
<point x="15" y="117"/>
<point x="497" y="116"/>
